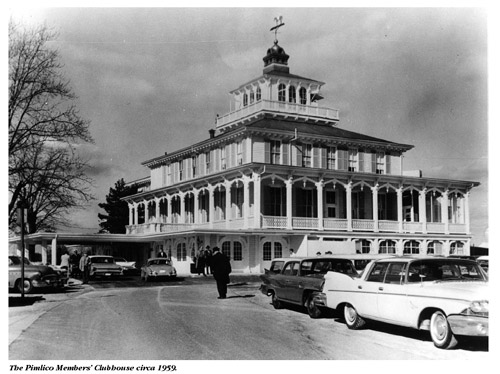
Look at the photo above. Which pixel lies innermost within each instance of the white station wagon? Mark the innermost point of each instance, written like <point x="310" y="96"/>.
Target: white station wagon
<point x="447" y="296"/>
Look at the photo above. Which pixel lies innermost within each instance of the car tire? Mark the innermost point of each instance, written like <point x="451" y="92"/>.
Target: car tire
<point x="441" y="333"/>
<point x="313" y="310"/>
<point x="277" y="304"/>
<point x="28" y="286"/>
<point x="352" y="318"/>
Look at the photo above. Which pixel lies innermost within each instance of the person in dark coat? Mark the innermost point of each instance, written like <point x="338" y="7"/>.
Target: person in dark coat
<point x="221" y="268"/>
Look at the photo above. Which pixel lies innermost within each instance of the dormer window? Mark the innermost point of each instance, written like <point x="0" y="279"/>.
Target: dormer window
<point x="245" y="99"/>
<point x="303" y="96"/>
<point x="252" y="97"/>
<point x="258" y="94"/>
<point x="292" y="95"/>
<point x="281" y="92"/>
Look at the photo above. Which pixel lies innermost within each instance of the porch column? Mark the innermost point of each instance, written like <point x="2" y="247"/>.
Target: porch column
<point x="246" y="200"/>
<point x="211" y="204"/>
<point x="348" y="192"/>
<point x="146" y="211"/>
<point x="444" y="212"/>
<point x="399" y="193"/>
<point x="289" y="212"/>
<point x="157" y="210"/>
<point x="319" y="187"/>
<point x="422" y="210"/>
<point x="227" y="185"/>
<point x="169" y="209"/>
<point x="375" y="210"/>
<point x="256" y="200"/>
<point x="130" y="214"/>
<point x="466" y="212"/>
<point x="136" y="213"/>
<point x="182" y="196"/>
<point x="196" y="212"/>
<point x="44" y="251"/>
<point x="53" y="252"/>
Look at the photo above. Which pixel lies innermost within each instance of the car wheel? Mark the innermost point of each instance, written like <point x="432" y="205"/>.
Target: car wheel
<point x="276" y="302"/>
<point x="352" y="319"/>
<point x="27" y="288"/>
<point x="313" y="310"/>
<point x="441" y="333"/>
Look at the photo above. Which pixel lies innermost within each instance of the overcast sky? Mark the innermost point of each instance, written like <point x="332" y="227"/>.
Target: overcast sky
<point x="152" y="80"/>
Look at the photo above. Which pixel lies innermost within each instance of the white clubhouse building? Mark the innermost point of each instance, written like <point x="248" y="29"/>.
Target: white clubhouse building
<point x="278" y="173"/>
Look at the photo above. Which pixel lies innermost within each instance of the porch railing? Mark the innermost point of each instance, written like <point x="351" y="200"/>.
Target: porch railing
<point x="302" y="223"/>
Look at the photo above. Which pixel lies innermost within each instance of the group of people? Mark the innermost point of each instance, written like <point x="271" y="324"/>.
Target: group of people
<point x="203" y="260"/>
<point x="76" y="265"/>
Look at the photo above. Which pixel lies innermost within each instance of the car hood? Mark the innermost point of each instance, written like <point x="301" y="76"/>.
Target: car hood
<point x="467" y="290"/>
<point x="32" y="268"/>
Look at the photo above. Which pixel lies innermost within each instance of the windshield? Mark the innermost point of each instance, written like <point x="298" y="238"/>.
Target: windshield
<point x="444" y="270"/>
<point x="102" y="260"/>
<point x="160" y="261"/>
<point x="15" y="260"/>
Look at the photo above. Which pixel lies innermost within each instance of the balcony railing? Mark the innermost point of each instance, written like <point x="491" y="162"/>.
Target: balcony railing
<point x="316" y="112"/>
<point x="301" y="223"/>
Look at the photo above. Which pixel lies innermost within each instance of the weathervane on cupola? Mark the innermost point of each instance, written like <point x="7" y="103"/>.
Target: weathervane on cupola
<point x="279" y="23"/>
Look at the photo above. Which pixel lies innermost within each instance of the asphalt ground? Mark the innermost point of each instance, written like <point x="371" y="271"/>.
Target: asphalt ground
<point x="24" y="311"/>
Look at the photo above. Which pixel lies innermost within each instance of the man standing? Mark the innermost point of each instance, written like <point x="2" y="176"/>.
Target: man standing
<point x="221" y="268"/>
<point x="85" y="267"/>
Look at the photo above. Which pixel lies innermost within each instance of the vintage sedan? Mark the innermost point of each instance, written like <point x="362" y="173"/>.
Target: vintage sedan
<point x="104" y="266"/>
<point x="128" y="267"/>
<point x="35" y="276"/>
<point x="300" y="281"/>
<point x="447" y="296"/>
<point x="158" y="268"/>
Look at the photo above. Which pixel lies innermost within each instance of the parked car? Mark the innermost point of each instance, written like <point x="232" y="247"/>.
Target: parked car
<point x="447" y="296"/>
<point x="104" y="266"/>
<point x="300" y="281"/>
<point x="128" y="267"/>
<point x="483" y="262"/>
<point x="158" y="267"/>
<point x="35" y="276"/>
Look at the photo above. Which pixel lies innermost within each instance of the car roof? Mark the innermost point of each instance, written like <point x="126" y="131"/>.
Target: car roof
<point x="158" y="258"/>
<point x="416" y="258"/>
<point x="101" y="256"/>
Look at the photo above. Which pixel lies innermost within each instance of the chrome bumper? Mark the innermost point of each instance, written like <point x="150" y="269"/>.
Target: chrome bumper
<point x="462" y="324"/>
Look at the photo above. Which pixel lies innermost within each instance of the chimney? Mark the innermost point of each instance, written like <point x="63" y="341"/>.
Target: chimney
<point x="212" y="133"/>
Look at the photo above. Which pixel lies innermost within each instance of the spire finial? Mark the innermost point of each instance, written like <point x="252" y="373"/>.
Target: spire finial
<point x="279" y="23"/>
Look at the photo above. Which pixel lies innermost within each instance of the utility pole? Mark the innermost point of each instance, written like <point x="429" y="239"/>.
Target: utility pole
<point x="21" y="206"/>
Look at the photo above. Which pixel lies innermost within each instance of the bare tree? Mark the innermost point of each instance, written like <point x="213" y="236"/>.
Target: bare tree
<point x="44" y="131"/>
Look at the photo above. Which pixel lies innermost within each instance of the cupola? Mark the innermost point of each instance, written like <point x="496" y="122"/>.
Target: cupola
<point x="276" y="59"/>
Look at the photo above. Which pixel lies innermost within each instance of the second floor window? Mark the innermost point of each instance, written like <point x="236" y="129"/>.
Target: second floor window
<point x="223" y="158"/>
<point x="239" y="153"/>
<point x="275" y="152"/>
<point x="353" y="160"/>
<point x="194" y="161"/>
<point x="181" y="169"/>
<point x="281" y="92"/>
<point x="245" y="99"/>
<point x="307" y="155"/>
<point x="331" y="157"/>
<point x="380" y="168"/>
<point x="252" y="97"/>
<point x="207" y="162"/>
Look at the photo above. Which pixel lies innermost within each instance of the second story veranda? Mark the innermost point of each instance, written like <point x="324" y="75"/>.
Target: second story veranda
<point x="272" y="197"/>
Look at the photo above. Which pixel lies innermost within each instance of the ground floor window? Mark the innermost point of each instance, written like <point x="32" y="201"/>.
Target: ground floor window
<point x="363" y="246"/>
<point x="411" y="247"/>
<point x="268" y="250"/>
<point x="457" y="248"/>
<point x="235" y="248"/>
<point x="435" y="248"/>
<point x="387" y="246"/>
<point x="181" y="252"/>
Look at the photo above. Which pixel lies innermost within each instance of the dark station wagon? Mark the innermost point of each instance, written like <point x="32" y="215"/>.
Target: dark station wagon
<point x="300" y="281"/>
